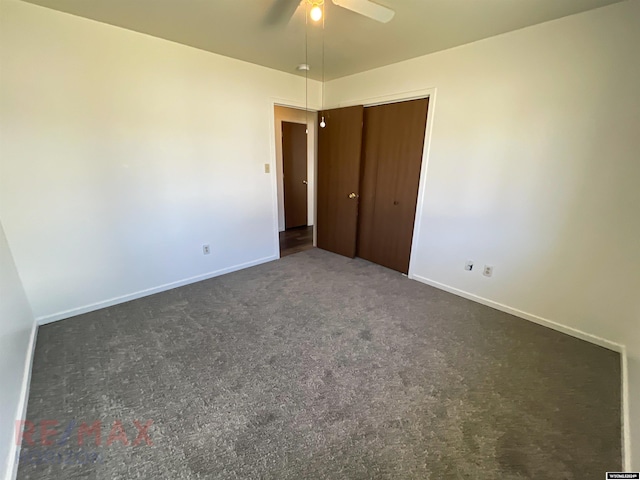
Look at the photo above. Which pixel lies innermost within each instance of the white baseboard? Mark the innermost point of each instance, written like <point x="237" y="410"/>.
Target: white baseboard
<point x="11" y="474"/>
<point x="574" y="332"/>
<point x="149" y="291"/>
<point x="12" y="470"/>
<point x="21" y="412"/>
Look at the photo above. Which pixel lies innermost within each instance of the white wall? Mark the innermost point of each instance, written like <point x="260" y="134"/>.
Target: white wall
<point x="286" y="114"/>
<point x="534" y="169"/>
<point x="16" y="328"/>
<point x="122" y="154"/>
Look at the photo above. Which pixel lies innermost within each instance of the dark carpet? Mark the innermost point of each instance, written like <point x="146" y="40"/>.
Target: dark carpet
<point x="319" y="367"/>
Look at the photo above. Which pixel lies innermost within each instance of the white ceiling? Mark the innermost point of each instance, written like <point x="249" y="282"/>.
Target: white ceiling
<point x="353" y="43"/>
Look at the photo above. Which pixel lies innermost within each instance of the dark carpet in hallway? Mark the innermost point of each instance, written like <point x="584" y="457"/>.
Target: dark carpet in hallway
<point x="321" y="367"/>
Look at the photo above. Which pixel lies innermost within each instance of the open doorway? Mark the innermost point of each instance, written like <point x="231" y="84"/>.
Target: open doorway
<point x="295" y="165"/>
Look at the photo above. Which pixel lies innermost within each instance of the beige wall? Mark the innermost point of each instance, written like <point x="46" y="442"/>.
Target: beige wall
<point x="534" y="169"/>
<point x="287" y="114"/>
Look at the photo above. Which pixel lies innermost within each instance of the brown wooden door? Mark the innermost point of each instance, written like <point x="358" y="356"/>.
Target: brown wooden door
<point x="393" y="142"/>
<point x="294" y="160"/>
<point x="339" y="148"/>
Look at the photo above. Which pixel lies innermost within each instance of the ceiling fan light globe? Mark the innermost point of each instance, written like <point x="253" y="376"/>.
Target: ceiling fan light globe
<point x="315" y="13"/>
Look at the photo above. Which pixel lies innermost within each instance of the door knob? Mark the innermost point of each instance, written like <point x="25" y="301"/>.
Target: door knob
<point x="352" y="195"/>
<point x="304" y="181"/>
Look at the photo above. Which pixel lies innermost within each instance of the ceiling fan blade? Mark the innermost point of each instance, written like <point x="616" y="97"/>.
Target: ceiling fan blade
<point x="368" y="9"/>
<point x="281" y="12"/>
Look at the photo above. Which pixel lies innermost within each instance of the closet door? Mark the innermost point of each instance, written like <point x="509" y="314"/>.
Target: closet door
<point x="393" y="142"/>
<point x="338" y="181"/>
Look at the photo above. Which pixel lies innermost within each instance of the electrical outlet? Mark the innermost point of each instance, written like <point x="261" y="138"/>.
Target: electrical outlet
<point x="468" y="266"/>
<point x="206" y="249"/>
<point x="488" y="271"/>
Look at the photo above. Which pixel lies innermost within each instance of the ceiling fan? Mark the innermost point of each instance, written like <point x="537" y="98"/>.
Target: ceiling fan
<point x="282" y="10"/>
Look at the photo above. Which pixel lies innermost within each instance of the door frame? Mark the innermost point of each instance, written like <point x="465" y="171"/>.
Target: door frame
<point x="312" y="111"/>
<point x="402" y="97"/>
